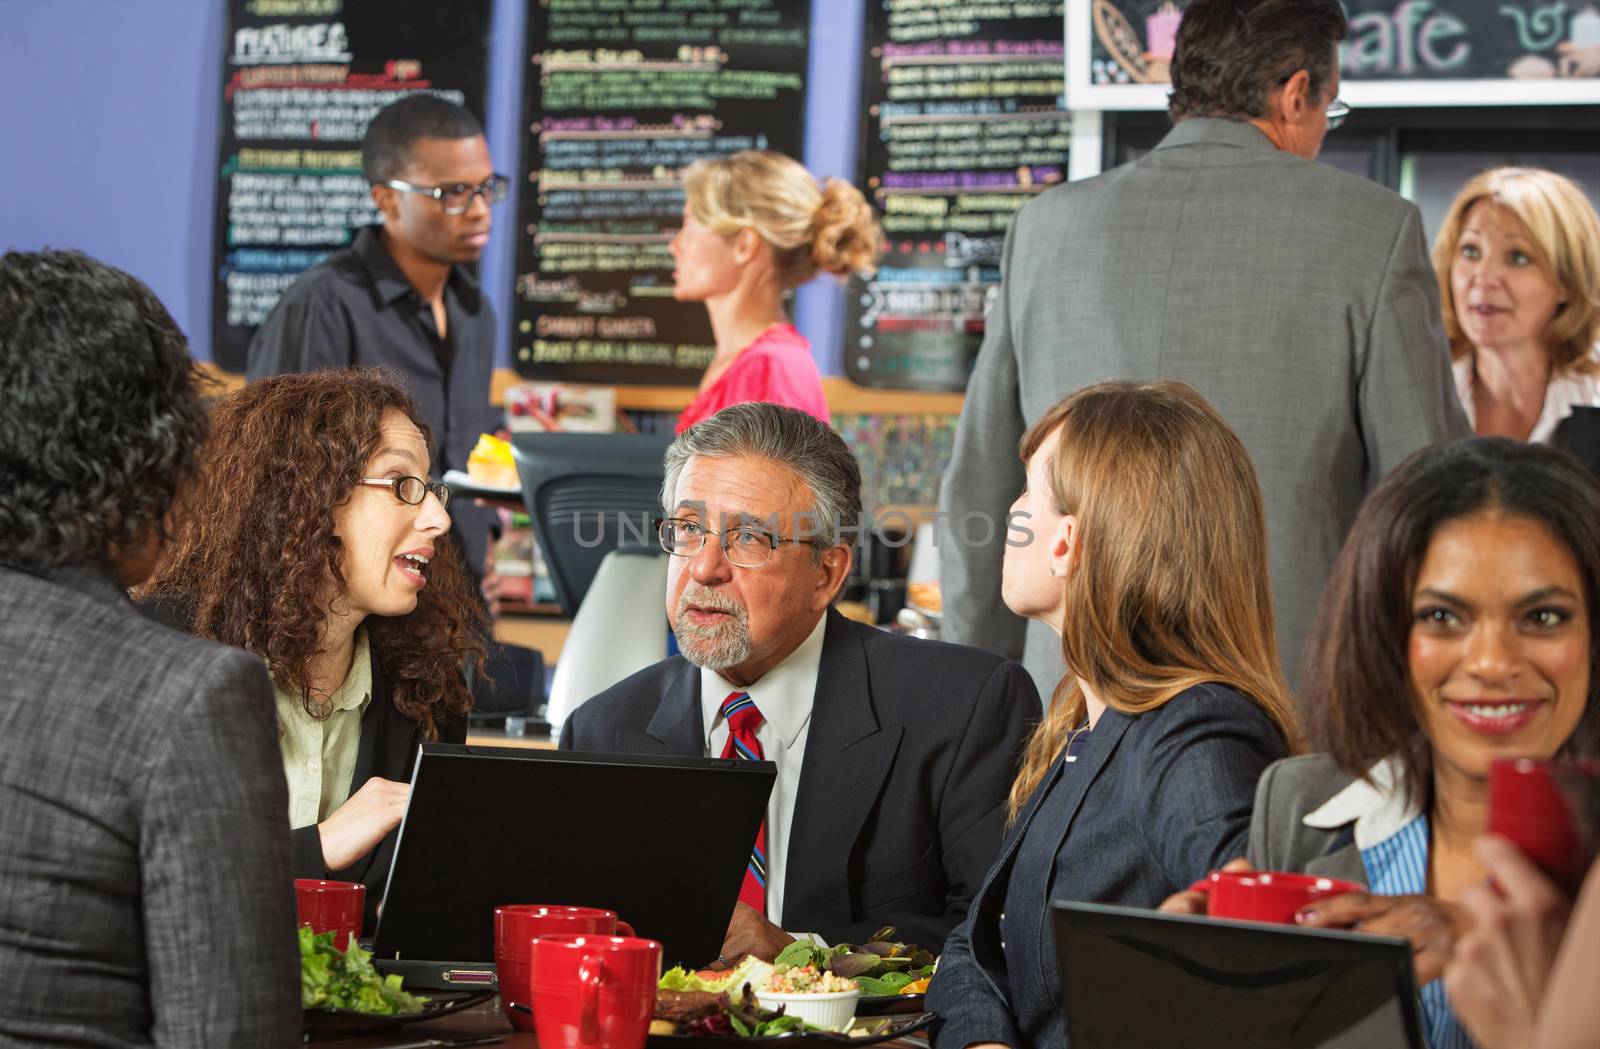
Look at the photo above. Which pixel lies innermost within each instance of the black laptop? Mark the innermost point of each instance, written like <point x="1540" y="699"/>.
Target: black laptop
<point x="1138" y="977"/>
<point x="662" y="841"/>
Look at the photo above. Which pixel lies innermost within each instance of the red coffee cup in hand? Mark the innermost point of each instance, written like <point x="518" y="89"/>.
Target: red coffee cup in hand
<point x="1545" y="809"/>
<point x="1266" y="896"/>
<point x="516" y="925"/>
<point x="594" y="992"/>
<point x="331" y="906"/>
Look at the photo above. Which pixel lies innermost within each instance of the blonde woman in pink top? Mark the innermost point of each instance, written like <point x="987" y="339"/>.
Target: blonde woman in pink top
<point x="756" y="224"/>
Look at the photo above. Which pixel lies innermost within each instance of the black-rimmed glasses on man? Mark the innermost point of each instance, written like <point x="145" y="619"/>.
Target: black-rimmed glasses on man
<point x="744" y="545"/>
<point x="412" y="490"/>
<point x="456" y="199"/>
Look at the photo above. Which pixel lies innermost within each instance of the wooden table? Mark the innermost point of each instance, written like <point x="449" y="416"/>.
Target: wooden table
<point x="480" y="1020"/>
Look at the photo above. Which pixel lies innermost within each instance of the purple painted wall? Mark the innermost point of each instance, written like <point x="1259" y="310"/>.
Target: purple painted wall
<point x="111" y="139"/>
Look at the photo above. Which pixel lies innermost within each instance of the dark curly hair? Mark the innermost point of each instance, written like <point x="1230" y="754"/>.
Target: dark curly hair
<point x="1358" y="677"/>
<point x="1231" y="54"/>
<point x="100" y="411"/>
<point x="255" y="546"/>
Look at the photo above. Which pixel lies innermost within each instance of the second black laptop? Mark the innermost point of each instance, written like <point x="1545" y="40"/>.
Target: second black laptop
<point x="1137" y="977"/>
<point x="661" y="841"/>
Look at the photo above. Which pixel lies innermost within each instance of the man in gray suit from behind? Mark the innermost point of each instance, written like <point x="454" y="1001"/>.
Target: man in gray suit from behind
<point x="145" y="895"/>
<point x="1297" y="298"/>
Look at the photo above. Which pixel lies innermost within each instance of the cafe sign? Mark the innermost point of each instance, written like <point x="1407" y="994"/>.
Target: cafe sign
<point x="1397" y="52"/>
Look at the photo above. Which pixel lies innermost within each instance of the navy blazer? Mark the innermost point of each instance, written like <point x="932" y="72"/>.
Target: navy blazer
<point x="911" y="752"/>
<point x="1153" y="802"/>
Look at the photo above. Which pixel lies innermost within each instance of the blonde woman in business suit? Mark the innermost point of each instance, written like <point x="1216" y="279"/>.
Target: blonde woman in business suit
<point x="1145" y="550"/>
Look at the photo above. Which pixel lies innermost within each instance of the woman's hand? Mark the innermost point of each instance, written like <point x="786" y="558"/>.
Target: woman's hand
<point x="1496" y="978"/>
<point x="1431" y="924"/>
<point x="1191" y="902"/>
<point x="357" y="826"/>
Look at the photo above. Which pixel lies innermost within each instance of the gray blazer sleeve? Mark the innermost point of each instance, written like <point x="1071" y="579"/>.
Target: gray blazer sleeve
<point x="218" y="900"/>
<point x="1406" y="398"/>
<point x="983" y="479"/>
<point x="1261" y="851"/>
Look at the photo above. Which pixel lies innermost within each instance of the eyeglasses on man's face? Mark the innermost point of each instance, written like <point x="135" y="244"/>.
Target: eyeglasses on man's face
<point x="456" y="199"/>
<point x="744" y="545"/>
<point x="412" y="490"/>
<point x="1337" y="112"/>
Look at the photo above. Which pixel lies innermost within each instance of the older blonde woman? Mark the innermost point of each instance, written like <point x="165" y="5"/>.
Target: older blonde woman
<point x="1518" y="261"/>
<point x="756" y="224"/>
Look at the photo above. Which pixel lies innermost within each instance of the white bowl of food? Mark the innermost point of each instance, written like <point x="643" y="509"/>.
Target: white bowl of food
<point x="821" y="999"/>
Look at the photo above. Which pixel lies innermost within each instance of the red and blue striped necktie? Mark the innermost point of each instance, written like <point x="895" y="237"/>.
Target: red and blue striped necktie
<point x="743" y="719"/>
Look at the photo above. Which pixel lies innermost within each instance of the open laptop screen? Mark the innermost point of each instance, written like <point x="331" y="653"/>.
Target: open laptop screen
<point x="1138" y="977"/>
<point x="661" y="841"/>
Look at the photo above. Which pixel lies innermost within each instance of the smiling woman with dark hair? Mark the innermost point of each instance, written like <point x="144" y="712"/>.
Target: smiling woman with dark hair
<point x="1459" y="626"/>
<point x="140" y="794"/>
<point x="316" y="541"/>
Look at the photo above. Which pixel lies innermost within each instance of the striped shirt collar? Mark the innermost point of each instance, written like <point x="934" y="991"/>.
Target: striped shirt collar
<point x="1380" y="809"/>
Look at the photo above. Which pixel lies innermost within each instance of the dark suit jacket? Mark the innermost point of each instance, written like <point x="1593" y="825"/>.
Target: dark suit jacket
<point x="145" y="891"/>
<point x="910" y="754"/>
<point x="388" y="750"/>
<point x="1153" y="802"/>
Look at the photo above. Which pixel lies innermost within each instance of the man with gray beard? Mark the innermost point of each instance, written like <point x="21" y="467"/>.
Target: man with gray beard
<point x="894" y="755"/>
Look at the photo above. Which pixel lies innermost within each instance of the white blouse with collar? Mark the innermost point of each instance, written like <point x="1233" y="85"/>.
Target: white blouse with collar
<point x="1562" y="394"/>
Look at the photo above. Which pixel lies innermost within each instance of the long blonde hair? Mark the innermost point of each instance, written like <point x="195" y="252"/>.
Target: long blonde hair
<point x="1170" y="588"/>
<point x="1566" y="246"/>
<point x="809" y="227"/>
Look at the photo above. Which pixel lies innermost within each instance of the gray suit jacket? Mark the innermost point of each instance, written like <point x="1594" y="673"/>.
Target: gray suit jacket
<point x="1297" y="298"/>
<point x="145" y="894"/>
<point x="1279" y="841"/>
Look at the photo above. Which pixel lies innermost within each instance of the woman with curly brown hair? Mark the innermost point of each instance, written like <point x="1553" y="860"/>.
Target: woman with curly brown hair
<point x="314" y="540"/>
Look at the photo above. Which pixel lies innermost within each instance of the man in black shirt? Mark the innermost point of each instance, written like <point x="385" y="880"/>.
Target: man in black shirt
<point x="399" y="297"/>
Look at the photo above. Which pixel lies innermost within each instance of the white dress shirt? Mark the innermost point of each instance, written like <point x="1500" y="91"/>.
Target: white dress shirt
<point x="784" y="696"/>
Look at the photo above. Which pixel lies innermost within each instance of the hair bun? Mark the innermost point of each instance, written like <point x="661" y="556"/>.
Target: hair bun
<point x="844" y="236"/>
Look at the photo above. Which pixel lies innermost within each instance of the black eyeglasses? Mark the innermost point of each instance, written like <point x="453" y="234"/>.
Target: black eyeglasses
<point x="456" y="199"/>
<point x="743" y="545"/>
<point x="412" y="490"/>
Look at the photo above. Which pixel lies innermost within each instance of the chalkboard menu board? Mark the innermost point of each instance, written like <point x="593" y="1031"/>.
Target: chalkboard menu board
<point x="1388" y="40"/>
<point x="620" y="96"/>
<point x="301" y="79"/>
<point x="964" y="124"/>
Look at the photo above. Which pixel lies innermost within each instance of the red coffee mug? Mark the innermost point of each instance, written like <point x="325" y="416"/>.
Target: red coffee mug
<point x="331" y="906"/>
<point x="1265" y="896"/>
<point x="515" y="927"/>
<point x="1547" y="809"/>
<point x="594" y="992"/>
